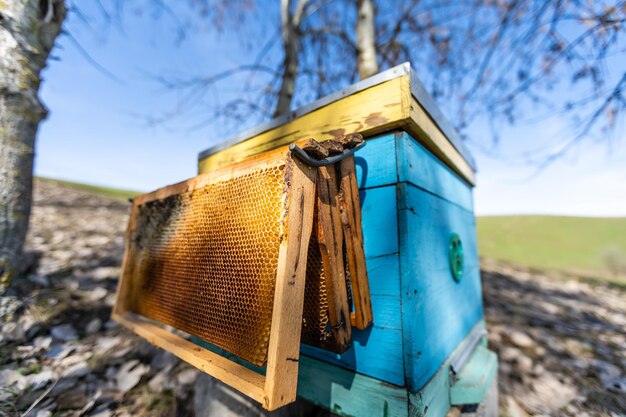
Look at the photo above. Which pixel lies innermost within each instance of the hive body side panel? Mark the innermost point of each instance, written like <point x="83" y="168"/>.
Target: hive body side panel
<point x="421" y="168"/>
<point x="376" y="351"/>
<point x="380" y="221"/>
<point x="374" y="167"/>
<point x="438" y="312"/>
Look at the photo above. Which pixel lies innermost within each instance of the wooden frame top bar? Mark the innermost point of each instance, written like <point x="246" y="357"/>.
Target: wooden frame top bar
<point x="393" y="99"/>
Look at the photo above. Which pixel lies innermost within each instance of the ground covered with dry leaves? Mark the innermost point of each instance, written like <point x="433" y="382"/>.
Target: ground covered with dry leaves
<point x="56" y="329"/>
<point x="561" y="342"/>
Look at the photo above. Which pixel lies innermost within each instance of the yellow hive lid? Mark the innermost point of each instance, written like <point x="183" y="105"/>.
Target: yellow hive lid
<point x="391" y="100"/>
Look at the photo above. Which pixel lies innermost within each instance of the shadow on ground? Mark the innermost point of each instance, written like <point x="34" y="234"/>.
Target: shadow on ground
<point x="561" y="342"/>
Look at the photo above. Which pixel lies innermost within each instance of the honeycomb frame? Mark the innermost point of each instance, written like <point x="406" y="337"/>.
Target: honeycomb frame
<point x="282" y="340"/>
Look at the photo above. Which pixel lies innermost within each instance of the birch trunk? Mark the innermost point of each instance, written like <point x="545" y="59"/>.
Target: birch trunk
<point x="290" y="31"/>
<point x="366" y="39"/>
<point x="290" y="71"/>
<point x="28" y="29"/>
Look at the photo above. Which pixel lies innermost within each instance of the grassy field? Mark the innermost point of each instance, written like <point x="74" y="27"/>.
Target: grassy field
<point x="555" y="242"/>
<point x="114" y="193"/>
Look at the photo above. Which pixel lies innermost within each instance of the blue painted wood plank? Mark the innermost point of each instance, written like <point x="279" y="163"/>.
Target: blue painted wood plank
<point x="437" y="311"/>
<point x="421" y="168"/>
<point x="376" y="162"/>
<point x="387" y="311"/>
<point x="383" y="274"/>
<point x="347" y="393"/>
<point x="380" y="221"/>
<point x="375" y="352"/>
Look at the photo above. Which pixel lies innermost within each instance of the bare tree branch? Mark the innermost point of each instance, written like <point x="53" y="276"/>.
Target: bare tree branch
<point x="481" y="59"/>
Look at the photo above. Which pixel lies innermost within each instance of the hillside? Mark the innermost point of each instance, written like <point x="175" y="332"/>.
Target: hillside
<point x="555" y="242"/>
<point x="113" y="193"/>
<point x="595" y="247"/>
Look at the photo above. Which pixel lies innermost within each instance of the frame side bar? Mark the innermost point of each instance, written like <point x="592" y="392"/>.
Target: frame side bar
<point x="283" y="353"/>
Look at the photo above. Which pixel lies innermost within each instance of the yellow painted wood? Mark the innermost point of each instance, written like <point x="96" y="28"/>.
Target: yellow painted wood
<point x="422" y="127"/>
<point x="369" y="111"/>
<point x="381" y="108"/>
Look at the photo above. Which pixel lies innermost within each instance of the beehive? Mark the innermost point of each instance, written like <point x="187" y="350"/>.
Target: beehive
<point x="425" y="351"/>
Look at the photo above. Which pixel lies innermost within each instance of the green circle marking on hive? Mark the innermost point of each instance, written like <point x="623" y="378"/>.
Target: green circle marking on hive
<point x="455" y="255"/>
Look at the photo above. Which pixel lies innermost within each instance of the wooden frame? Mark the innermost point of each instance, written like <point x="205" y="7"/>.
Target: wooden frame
<point x="339" y="215"/>
<point x="362" y="316"/>
<point x="330" y="238"/>
<point x="278" y="387"/>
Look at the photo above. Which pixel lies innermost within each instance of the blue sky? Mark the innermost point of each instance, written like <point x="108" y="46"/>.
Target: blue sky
<point x="96" y="131"/>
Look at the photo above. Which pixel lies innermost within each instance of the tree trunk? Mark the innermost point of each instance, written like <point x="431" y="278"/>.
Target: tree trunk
<point x="290" y="30"/>
<point x="290" y="71"/>
<point x="28" y="29"/>
<point x="366" y="39"/>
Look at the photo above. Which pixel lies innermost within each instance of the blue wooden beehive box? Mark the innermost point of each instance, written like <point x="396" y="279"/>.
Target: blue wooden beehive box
<point x="426" y="351"/>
